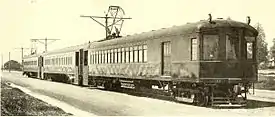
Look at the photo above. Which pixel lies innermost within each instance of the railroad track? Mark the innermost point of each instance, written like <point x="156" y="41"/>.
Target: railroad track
<point x="251" y="102"/>
<point x="158" y="94"/>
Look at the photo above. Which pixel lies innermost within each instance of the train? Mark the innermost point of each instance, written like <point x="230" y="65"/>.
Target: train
<point x="205" y="63"/>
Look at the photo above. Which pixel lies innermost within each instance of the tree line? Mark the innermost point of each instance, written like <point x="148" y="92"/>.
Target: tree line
<point x="13" y="65"/>
<point x="265" y="57"/>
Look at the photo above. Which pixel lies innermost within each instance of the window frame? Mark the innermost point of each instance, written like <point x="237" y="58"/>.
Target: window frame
<point x="123" y="55"/>
<point x="145" y="53"/>
<point x="203" y="48"/>
<point x="135" y="54"/>
<point x="252" y="42"/>
<point x="140" y="53"/>
<point x="131" y="54"/>
<point x="111" y="56"/>
<point x="127" y="55"/>
<point x="194" y="54"/>
<point x="115" y="55"/>
<point x="96" y="57"/>
<point x="106" y="56"/>
<point x="119" y="55"/>
<point x="167" y="48"/>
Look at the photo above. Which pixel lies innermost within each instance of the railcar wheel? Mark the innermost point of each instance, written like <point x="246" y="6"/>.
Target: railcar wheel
<point x="107" y="85"/>
<point x="117" y="86"/>
<point x="201" y="99"/>
<point x="28" y="75"/>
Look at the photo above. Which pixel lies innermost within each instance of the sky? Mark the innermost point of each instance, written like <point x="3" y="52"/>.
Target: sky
<point x="22" y="20"/>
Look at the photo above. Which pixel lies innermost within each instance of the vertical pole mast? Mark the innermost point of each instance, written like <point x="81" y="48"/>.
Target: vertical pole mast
<point x="46" y="44"/>
<point x="22" y="54"/>
<point x="106" y="26"/>
<point x="9" y="61"/>
<point x="2" y="67"/>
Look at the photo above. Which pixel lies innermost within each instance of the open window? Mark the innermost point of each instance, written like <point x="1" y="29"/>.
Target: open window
<point x="140" y="53"/>
<point x="131" y="55"/>
<point x="115" y="56"/>
<point x="135" y="54"/>
<point x="232" y="47"/>
<point x="194" y="49"/>
<point x="249" y="47"/>
<point x="119" y="55"/>
<point x="145" y="53"/>
<point x="123" y="55"/>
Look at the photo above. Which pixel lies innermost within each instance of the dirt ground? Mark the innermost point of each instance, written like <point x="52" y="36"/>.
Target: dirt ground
<point x="14" y="102"/>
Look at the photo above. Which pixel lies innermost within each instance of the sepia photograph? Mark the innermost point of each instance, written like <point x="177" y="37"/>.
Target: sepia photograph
<point x="137" y="58"/>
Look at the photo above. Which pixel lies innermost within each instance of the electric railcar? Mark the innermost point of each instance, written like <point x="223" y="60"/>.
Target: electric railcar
<point x="204" y="63"/>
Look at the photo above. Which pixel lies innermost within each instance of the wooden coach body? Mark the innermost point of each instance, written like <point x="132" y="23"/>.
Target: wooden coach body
<point x="205" y="63"/>
<point x="61" y="61"/>
<point x="178" y="54"/>
<point x="30" y="63"/>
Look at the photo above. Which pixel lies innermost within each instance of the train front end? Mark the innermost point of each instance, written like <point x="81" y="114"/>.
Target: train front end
<point x="228" y="64"/>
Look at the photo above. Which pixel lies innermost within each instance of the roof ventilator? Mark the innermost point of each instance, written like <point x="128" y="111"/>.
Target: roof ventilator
<point x="210" y="19"/>
<point x="248" y="20"/>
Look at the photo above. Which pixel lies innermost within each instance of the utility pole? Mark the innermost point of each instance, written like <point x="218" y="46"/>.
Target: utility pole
<point x="9" y="61"/>
<point x="116" y="14"/>
<point x="45" y="42"/>
<point x="22" y="55"/>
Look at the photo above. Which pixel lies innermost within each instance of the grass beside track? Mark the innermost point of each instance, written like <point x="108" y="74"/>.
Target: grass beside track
<point x="14" y="102"/>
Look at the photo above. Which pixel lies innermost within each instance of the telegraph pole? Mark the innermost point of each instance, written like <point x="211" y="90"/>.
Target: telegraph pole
<point x="9" y="61"/>
<point x="45" y="42"/>
<point x="116" y="14"/>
